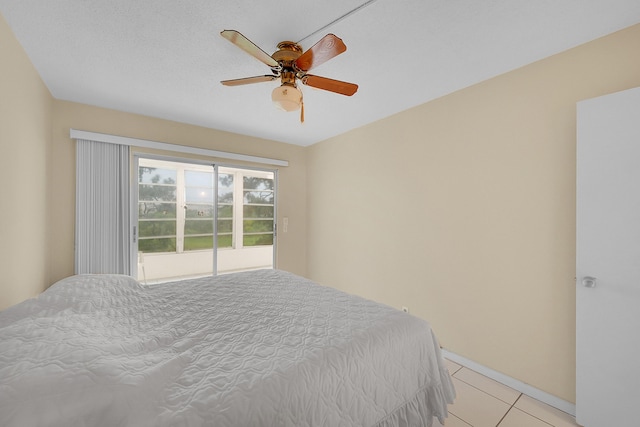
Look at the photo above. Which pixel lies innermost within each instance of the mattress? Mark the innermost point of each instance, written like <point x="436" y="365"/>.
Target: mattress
<point x="260" y="348"/>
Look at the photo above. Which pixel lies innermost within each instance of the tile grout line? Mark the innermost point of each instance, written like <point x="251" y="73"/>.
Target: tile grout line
<point x="508" y="410"/>
<point x="456" y="371"/>
<point x="526" y="389"/>
<point x="511" y="405"/>
<point x="465" y="423"/>
<point x="531" y="415"/>
<point x="489" y="394"/>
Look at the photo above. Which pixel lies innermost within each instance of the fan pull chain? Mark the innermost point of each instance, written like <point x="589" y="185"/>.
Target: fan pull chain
<point x="302" y="111"/>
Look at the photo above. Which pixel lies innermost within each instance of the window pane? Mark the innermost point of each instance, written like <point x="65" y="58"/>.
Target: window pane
<point x="149" y="175"/>
<point x="157" y="245"/>
<point x="257" y="225"/>
<point x="197" y="226"/>
<point x="258" y="239"/>
<point x="153" y="193"/>
<point x="259" y="197"/>
<point x="225" y="226"/>
<point x="224" y="240"/>
<point x="198" y="179"/>
<point x="255" y="183"/>
<point x="199" y="211"/>
<point x="225" y="188"/>
<point x="258" y="211"/>
<point x="156" y="228"/>
<point x="149" y="210"/>
<point x="198" y="243"/>
<point x="225" y="211"/>
<point x="199" y="195"/>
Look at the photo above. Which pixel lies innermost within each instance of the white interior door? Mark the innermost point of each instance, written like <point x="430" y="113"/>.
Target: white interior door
<point x="608" y="261"/>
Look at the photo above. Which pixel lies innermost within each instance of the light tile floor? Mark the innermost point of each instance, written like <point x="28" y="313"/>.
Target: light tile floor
<point x="483" y="402"/>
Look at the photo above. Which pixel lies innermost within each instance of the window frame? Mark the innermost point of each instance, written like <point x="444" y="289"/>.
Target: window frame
<point x="215" y="167"/>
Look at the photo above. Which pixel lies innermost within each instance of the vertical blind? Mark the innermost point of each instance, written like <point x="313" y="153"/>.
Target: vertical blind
<point x="102" y="243"/>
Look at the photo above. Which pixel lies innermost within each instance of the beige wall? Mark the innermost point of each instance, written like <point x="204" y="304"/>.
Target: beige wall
<point x="291" y="254"/>
<point x="25" y="133"/>
<point x="463" y="210"/>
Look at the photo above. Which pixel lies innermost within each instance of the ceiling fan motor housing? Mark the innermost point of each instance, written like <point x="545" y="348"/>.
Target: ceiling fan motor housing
<point x="287" y="97"/>
<point x="287" y="52"/>
<point x="286" y="55"/>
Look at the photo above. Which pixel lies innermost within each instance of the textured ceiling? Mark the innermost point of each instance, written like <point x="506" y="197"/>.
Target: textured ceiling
<point x="165" y="58"/>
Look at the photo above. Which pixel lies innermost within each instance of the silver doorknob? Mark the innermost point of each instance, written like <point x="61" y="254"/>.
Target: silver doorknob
<point x="589" y="282"/>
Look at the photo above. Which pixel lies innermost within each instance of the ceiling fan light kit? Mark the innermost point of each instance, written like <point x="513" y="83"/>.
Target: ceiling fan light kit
<point x="290" y="64"/>
<point x="287" y="97"/>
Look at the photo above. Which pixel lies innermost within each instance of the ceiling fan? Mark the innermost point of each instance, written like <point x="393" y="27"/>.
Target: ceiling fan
<point x="290" y="64"/>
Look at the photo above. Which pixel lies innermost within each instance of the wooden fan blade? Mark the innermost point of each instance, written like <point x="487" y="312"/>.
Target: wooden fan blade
<point x="328" y="47"/>
<point x="248" y="46"/>
<point x="248" y="80"/>
<point x="336" y="86"/>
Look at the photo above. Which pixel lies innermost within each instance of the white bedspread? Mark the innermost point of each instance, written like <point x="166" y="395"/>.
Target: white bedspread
<point x="262" y="348"/>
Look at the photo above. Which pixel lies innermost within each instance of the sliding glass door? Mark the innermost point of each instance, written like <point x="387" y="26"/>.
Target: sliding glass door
<point x="196" y="220"/>
<point x="245" y="219"/>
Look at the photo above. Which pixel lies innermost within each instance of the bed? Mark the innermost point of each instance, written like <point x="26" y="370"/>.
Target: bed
<point x="259" y="348"/>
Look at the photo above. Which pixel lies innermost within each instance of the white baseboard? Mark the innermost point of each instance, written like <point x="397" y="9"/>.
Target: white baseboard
<point x="517" y="385"/>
